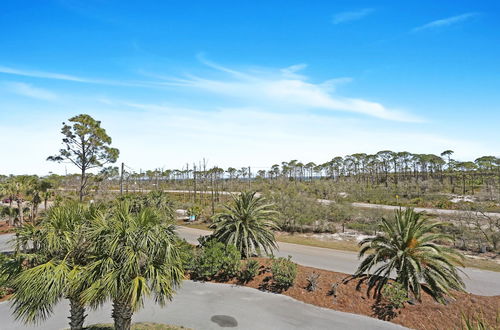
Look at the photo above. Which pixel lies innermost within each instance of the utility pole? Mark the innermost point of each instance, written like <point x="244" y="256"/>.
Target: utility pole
<point x="194" y="176"/>
<point x="212" y="184"/>
<point x="121" y="180"/>
<point x="249" y="179"/>
<point x="187" y="183"/>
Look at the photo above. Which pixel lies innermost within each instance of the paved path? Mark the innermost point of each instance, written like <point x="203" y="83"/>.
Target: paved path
<point x="202" y="305"/>
<point x="5" y="242"/>
<point x="481" y="282"/>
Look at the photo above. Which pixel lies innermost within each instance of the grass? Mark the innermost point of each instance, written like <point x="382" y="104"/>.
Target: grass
<point x="137" y="326"/>
<point x="482" y="264"/>
<point x="198" y="225"/>
<point x="309" y="241"/>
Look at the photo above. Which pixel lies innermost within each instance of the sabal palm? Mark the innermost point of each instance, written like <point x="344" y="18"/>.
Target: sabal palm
<point x="52" y="264"/>
<point x="248" y="223"/>
<point x="407" y="248"/>
<point x="135" y="255"/>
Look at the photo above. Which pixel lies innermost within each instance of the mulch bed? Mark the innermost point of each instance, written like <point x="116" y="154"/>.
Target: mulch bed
<point x="5" y="228"/>
<point x="427" y="314"/>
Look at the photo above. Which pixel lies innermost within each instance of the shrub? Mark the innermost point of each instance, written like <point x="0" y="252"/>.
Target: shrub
<point x="333" y="290"/>
<point x="395" y="294"/>
<point x="3" y="291"/>
<point x="250" y="270"/>
<point x="195" y="211"/>
<point x="312" y="282"/>
<point x="187" y="252"/>
<point x="216" y="260"/>
<point x="284" y="272"/>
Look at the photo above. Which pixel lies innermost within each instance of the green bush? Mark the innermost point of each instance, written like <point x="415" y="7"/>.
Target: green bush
<point x="284" y="272"/>
<point x="187" y="252"/>
<point x="216" y="261"/>
<point x="395" y="294"/>
<point x="3" y="292"/>
<point x="250" y="270"/>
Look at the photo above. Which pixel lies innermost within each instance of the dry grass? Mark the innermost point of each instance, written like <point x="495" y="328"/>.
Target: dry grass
<point x="310" y="241"/>
<point x="482" y="264"/>
<point x="196" y="225"/>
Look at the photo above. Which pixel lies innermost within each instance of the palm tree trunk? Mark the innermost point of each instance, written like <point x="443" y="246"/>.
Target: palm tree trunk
<point x="122" y="315"/>
<point x="20" y="210"/>
<point x="77" y="314"/>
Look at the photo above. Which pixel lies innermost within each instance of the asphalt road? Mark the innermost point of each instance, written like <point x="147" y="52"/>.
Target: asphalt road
<point x="214" y="306"/>
<point x="481" y="282"/>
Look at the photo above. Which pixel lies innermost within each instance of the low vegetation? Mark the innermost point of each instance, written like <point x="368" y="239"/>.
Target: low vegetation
<point x="215" y="260"/>
<point x="283" y="272"/>
<point x="249" y="271"/>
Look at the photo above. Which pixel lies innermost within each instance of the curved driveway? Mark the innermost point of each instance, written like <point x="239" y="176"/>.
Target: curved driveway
<point x="213" y="306"/>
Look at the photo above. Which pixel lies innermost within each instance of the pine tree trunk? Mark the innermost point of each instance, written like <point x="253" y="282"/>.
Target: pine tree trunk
<point x="122" y="315"/>
<point x="77" y="314"/>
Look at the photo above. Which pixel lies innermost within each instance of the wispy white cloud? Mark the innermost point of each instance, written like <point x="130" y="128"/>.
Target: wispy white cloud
<point x="348" y="16"/>
<point x="29" y="90"/>
<point x="41" y="74"/>
<point x="288" y="90"/>
<point x="71" y="78"/>
<point x="225" y="136"/>
<point x="445" y="22"/>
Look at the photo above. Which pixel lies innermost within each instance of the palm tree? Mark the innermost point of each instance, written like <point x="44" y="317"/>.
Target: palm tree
<point x="135" y="254"/>
<point x="9" y="190"/>
<point x="407" y="248"/>
<point x="52" y="267"/>
<point x="247" y="223"/>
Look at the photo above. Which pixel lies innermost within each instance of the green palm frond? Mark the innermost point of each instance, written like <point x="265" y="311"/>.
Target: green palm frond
<point x="248" y="223"/>
<point x="406" y="249"/>
<point x="49" y="267"/>
<point x="134" y="255"/>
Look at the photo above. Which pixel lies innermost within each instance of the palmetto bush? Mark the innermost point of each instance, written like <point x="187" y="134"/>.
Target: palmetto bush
<point x="407" y="249"/>
<point x="249" y="271"/>
<point x="247" y="223"/>
<point x="135" y="254"/>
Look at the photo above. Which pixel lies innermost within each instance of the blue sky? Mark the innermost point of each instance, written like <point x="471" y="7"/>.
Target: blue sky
<point x="250" y="83"/>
